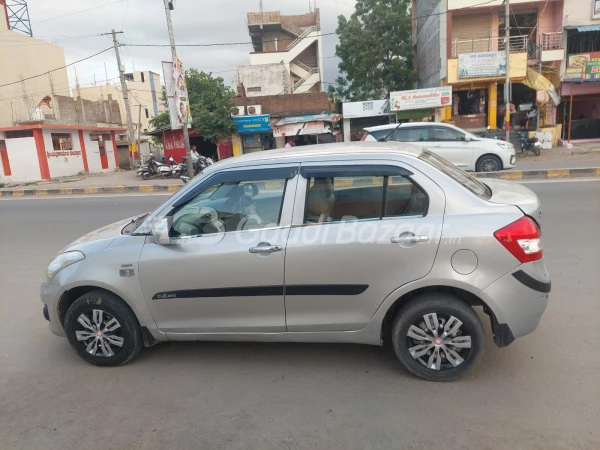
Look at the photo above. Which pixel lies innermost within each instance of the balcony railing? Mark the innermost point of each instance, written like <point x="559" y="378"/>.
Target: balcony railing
<point x="518" y="44"/>
<point x="552" y="41"/>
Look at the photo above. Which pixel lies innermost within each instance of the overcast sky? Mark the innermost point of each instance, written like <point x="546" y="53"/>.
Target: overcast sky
<point x="143" y="22"/>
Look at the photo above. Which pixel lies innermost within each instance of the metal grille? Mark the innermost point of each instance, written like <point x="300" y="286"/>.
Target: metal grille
<point x="18" y="134"/>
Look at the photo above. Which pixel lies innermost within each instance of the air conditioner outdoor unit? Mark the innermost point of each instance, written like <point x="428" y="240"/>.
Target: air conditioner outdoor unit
<point x="255" y="110"/>
<point x="238" y="111"/>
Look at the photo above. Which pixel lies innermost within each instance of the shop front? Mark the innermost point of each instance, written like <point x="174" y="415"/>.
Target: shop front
<point x="307" y="130"/>
<point x="254" y="134"/>
<point x="361" y="115"/>
<point x="420" y="104"/>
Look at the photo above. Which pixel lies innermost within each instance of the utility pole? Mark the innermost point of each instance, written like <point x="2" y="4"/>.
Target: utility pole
<point x="541" y="47"/>
<point x="131" y="134"/>
<point x="186" y="134"/>
<point x="507" y="82"/>
<point x="139" y="130"/>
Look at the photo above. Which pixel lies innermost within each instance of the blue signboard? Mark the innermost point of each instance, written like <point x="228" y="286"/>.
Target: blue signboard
<point x="253" y="124"/>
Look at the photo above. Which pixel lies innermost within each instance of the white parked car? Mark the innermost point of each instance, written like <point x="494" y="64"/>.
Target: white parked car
<point x="461" y="148"/>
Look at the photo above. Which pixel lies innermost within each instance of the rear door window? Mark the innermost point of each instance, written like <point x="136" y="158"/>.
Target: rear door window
<point x="414" y="134"/>
<point x="442" y="134"/>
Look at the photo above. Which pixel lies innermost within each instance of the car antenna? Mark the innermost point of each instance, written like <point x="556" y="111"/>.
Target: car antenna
<point x="385" y="139"/>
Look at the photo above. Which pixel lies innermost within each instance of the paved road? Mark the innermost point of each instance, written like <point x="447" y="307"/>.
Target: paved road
<point x="525" y="163"/>
<point x="542" y="392"/>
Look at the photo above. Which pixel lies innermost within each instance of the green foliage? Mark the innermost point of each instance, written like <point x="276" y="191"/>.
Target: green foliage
<point x="162" y="120"/>
<point x="210" y="105"/>
<point x="375" y="51"/>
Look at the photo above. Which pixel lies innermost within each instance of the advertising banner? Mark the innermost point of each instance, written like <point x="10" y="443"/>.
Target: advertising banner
<point x="421" y="98"/>
<point x="583" y="67"/>
<point x="177" y="95"/>
<point x="481" y="65"/>
<point x="252" y="124"/>
<point x="366" y="109"/>
<point x="300" y="129"/>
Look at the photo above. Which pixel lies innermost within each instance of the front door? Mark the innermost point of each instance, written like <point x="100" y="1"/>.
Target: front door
<point x="362" y="231"/>
<point x="223" y="271"/>
<point x="451" y="145"/>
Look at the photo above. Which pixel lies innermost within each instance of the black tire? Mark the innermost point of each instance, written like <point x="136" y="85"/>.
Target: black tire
<point x="146" y="176"/>
<point x="486" y="162"/>
<point x="112" y="307"/>
<point x="444" y="305"/>
<point x="536" y="150"/>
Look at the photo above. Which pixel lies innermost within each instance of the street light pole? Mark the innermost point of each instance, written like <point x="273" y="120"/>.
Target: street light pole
<point x="186" y="134"/>
<point x="507" y="82"/>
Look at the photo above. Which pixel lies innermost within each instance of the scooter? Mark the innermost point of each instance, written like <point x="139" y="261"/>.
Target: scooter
<point x="154" y="168"/>
<point x="528" y="144"/>
<point x="175" y="167"/>
<point x="200" y="164"/>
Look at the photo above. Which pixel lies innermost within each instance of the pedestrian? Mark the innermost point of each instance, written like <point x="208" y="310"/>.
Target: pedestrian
<point x="195" y="154"/>
<point x="290" y="143"/>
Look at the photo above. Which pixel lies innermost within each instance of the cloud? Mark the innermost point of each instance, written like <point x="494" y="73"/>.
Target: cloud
<point x="143" y="22"/>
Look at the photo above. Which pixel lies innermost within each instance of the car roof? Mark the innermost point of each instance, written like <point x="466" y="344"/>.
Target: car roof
<point x="407" y="124"/>
<point x="352" y="150"/>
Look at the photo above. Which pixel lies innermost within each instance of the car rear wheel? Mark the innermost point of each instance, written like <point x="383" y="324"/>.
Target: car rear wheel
<point x="437" y="337"/>
<point x="102" y="329"/>
<point x="488" y="163"/>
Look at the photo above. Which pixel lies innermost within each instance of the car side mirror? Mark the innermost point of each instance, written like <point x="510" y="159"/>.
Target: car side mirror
<point x="160" y="231"/>
<point x="468" y="138"/>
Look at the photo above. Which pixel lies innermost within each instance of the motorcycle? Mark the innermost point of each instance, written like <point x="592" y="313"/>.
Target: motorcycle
<point x="154" y="168"/>
<point x="175" y="167"/>
<point x="528" y="144"/>
<point x="199" y="165"/>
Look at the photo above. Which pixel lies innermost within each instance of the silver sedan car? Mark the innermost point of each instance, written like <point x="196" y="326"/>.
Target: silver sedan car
<point x="352" y="243"/>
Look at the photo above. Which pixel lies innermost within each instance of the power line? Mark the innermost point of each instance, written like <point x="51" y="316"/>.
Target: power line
<point x="58" y="68"/>
<point x="77" y="12"/>
<point x="125" y="15"/>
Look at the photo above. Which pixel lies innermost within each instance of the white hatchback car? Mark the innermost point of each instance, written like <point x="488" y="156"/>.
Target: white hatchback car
<point x="461" y="148"/>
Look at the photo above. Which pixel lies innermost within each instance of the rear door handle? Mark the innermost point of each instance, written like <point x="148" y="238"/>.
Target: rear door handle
<point x="262" y="249"/>
<point x="409" y="239"/>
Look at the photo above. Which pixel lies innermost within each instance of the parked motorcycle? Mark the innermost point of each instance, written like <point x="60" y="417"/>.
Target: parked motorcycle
<point x="528" y="144"/>
<point x="153" y="168"/>
<point x="175" y="167"/>
<point x="199" y="165"/>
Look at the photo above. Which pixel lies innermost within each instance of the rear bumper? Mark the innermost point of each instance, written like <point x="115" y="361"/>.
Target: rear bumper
<point x="517" y="301"/>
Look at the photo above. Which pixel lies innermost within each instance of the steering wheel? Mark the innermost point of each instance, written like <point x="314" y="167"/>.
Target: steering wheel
<point x="246" y="207"/>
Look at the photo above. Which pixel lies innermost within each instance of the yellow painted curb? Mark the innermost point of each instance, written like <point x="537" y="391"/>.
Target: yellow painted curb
<point x="117" y="189"/>
<point x="555" y="173"/>
<point x="18" y="193"/>
<point x="146" y="188"/>
<point x="66" y="191"/>
<point x="511" y="176"/>
<point x="91" y="190"/>
<point x="598" y="172"/>
<point x="41" y="192"/>
<point x="173" y="188"/>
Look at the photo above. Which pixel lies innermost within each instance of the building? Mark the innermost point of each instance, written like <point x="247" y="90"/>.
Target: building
<point x="360" y="115"/>
<point x="287" y="54"/>
<point x="468" y="53"/>
<point x="145" y="91"/>
<point x="580" y="87"/>
<point x="23" y="57"/>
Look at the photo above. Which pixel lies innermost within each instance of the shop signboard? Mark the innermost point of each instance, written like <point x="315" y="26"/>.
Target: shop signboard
<point x="300" y="129"/>
<point x="421" y="98"/>
<point x="583" y="67"/>
<point x="370" y="108"/>
<point x="481" y="65"/>
<point x="253" y="124"/>
<point x="177" y="94"/>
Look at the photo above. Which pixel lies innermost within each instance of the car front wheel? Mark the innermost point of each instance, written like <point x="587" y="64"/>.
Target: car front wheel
<point x="488" y="163"/>
<point x="437" y="337"/>
<point x="102" y="329"/>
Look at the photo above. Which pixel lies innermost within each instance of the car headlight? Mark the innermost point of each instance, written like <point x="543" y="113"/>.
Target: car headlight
<point x="505" y="146"/>
<point x="60" y="262"/>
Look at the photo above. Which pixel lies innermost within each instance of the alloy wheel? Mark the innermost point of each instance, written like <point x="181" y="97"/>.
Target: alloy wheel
<point x="439" y="343"/>
<point x="99" y="333"/>
<point x="489" y="165"/>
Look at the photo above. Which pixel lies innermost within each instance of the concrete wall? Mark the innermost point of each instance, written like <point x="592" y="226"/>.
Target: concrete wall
<point x="289" y="105"/>
<point x="458" y="4"/>
<point x="95" y="93"/>
<point x="22" y="155"/>
<point x="24" y="56"/>
<point x="580" y="13"/>
<point x="66" y="162"/>
<point x="273" y="79"/>
<point x="76" y="111"/>
<point x="283" y="41"/>
<point x="431" y="39"/>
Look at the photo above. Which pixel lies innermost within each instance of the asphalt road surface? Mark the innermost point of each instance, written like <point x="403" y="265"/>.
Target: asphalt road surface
<point x="542" y="392"/>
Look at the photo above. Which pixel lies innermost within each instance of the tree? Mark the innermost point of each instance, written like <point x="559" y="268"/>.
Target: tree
<point x="375" y="50"/>
<point x="210" y="105"/>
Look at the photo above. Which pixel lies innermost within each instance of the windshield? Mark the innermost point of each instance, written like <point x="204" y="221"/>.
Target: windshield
<point x="458" y="175"/>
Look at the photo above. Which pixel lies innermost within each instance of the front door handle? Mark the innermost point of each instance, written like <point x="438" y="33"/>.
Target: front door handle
<point x="265" y="248"/>
<point x="409" y="239"/>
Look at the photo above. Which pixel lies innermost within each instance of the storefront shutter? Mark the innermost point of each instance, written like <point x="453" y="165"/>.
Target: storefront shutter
<point x="473" y="33"/>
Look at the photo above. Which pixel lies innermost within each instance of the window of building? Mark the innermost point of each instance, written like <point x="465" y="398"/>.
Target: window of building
<point x="231" y="206"/>
<point x="62" y="141"/>
<point x="147" y="114"/>
<point x="254" y="89"/>
<point x="143" y="79"/>
<point x="18" y="134"/>
<point x="345" y="198"/>
<point x="596" y="8"/>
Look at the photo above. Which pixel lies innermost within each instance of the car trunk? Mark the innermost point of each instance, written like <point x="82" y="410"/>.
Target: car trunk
<point x="511" y="193"/>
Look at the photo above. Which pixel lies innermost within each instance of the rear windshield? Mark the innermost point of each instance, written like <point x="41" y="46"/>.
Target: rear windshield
<point x="458" y="175"/>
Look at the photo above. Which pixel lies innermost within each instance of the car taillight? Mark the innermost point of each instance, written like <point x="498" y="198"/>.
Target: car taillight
<point x="364" y="138"/>
<point x="522" y="239"/>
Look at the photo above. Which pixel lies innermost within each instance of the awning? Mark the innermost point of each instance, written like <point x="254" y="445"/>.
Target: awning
<point x="306" y="119"/>
<point x="539" y="82"/>
<point x="589" y="28"/>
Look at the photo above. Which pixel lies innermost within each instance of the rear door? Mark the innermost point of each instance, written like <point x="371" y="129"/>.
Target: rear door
<point x="451" y="145"/>
<point x="359" y="231"/>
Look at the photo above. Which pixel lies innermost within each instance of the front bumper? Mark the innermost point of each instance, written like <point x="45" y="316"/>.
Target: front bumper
<point x="517" y="301"/>
<point x="50" y="296"/>
<point x="513" y="160"/>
